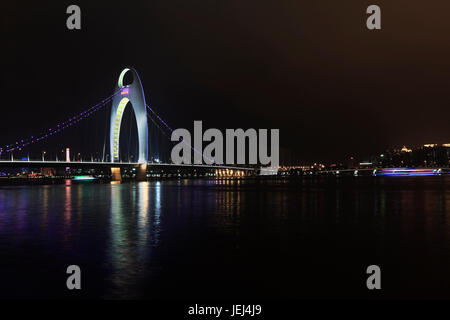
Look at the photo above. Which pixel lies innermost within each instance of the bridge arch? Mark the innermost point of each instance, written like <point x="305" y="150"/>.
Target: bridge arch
<point x="134" y="94"/>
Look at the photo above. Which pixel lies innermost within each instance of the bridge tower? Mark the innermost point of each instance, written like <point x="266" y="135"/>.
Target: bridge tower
<point x="129" y="94"/>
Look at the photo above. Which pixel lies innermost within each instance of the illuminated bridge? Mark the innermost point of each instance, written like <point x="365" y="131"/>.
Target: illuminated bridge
<point x="125" y="95"/>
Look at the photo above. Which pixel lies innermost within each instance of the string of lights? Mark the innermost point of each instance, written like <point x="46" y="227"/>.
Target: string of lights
<point x="22" y="143"/>
<point x="158" y="126"/>
<point x="171" y="130"/>
<point x="159" y="118"/>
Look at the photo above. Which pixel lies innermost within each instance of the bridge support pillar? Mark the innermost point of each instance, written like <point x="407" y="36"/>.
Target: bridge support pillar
<point x="141" y="174"/>
<point x="115" y="174"/>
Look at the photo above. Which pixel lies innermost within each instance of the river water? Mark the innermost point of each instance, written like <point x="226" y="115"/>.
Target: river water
<point x="228" y="239"/>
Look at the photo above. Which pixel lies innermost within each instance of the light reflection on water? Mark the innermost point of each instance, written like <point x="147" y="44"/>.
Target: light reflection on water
<point x="134" y="231"/>
<point x="208" y="238"/>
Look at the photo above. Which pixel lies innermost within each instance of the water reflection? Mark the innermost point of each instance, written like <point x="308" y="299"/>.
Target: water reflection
<point x="157" y="208"/>
<point x="67" y="210"/>
<point x="143" y="196"/>
<point x="148" y="239"/>
<point x="120" y="245"/>
<point x="134" y="228"/>
<point x="21" y="211"/>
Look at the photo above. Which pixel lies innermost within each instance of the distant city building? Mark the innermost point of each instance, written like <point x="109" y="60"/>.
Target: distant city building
<point x="351" y="163"/>
<point x="429" y="155"/>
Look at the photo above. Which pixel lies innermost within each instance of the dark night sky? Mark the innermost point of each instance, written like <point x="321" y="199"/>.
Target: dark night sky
<point x="310" y="68"/>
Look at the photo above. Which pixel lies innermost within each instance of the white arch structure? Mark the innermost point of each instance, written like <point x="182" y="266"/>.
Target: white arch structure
<point x="134" y="94"/>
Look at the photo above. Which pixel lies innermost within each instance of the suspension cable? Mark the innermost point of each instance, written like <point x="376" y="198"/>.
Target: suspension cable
<point x="20" y="144"/>
<point x="171" y="131"/>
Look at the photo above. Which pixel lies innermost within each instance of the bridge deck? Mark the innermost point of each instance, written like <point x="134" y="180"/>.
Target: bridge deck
<point x="94" y="164"/>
